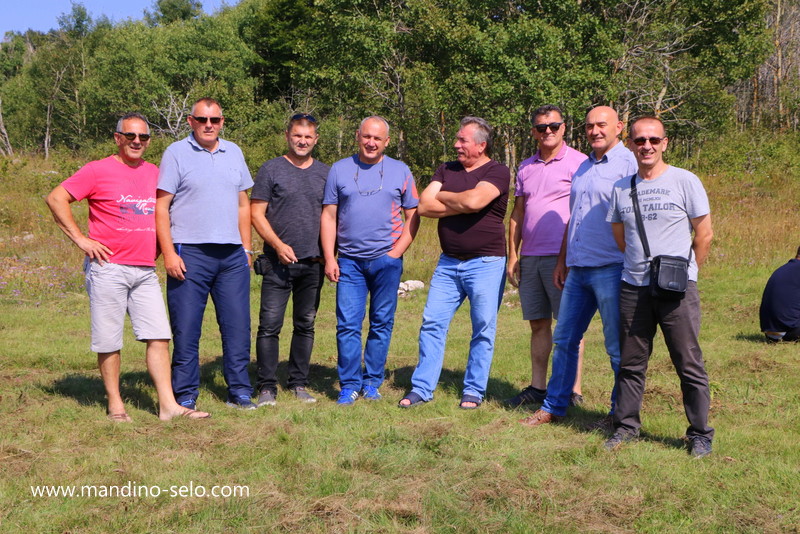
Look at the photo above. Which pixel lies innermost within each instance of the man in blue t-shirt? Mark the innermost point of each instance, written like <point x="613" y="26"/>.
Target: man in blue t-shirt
<point x="203" y="229"/>
<point x="364" y="197"/>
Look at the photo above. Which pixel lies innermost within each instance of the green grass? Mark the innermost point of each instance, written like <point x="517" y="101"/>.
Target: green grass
<point x="376" y="468"/>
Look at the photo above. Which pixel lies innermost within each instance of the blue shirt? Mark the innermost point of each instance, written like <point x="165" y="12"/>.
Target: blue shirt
<point x="590" y="242"/>
<point x="206" y="186"/>
<point x="369" y="199"/>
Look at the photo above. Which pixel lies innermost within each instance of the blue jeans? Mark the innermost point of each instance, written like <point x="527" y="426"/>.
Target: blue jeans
<point x="587" y="290"/>
<point x="379" y="278"/>
<point x="481" y="280"/>
<point x="223" y="272"/>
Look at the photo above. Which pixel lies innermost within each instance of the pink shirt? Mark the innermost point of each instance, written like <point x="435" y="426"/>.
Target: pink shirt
<point x="122" y="202"/>
<point x="545" y="190"/>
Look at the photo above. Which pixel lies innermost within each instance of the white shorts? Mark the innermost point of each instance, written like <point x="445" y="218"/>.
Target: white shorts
<point x="116" y="289"/>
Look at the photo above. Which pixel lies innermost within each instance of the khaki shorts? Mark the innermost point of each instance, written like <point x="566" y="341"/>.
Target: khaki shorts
<point x="539" y="297"/>
<point x="115" y="290"/>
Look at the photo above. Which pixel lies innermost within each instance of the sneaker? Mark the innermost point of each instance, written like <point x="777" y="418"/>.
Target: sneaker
<point x="576" y="399"/>
<point x="242" y="402"/>
<point x="540" y="417"/>
<point x="301" y="394"/>
<point x="371" y="393"/>
<point x="701" y="446"/>
<point x="266" y="398"/>
<point x="529" y="395"/>
<point x="347" y="397"/>
<point x="620" y="437"/>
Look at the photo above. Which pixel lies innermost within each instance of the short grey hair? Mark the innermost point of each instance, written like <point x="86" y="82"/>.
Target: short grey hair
<point x="483" y="132"/>
<point x="375" y="118"/>
<point x="132" y="115"/>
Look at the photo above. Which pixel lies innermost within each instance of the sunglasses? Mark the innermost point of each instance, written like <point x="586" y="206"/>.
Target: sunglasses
<point x="300" y="116"/>
<point x="130" y="136"/>
<point x="640" y="141"/>
<point x="203" y="120"/>
<point x="542" y="128"/>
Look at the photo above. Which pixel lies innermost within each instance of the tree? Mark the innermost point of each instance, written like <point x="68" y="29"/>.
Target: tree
<point x="169" y="11"/>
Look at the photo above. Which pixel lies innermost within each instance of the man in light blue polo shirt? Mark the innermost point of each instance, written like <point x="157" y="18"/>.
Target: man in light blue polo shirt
<point x="589" y="266"/>
<point x="364" y="197"/>
<point x="203" y="227"/>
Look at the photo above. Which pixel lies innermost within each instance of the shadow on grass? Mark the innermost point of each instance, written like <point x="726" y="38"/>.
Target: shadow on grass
<point x="753" y="338"/>
<point x="450" y="381"/>
<point x="89" y="390"/>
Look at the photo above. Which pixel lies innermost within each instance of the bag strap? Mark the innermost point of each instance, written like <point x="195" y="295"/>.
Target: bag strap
<point x="637" y="212"/>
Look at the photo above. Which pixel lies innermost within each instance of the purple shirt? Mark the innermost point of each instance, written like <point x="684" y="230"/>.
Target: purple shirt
<point x="482" y="233"/>
<point x="544" y="187"/>
<point x="590" y="242"/>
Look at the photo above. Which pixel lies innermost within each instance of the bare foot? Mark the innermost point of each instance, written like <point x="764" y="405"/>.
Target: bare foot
<point x="188" y="413"/>
<point x="405" y="402"/>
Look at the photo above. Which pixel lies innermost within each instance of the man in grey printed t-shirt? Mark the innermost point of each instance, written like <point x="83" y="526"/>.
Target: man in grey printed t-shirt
<point x="673" y="206"/>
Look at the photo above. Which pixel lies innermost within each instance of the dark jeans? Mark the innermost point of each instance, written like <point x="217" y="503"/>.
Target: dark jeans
<point x="303" y="280"/>
<point x="680" y="324"/>
<point x="223" y="272"/>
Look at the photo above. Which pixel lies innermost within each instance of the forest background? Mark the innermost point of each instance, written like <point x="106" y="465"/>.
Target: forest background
<point x="704" y="66"/>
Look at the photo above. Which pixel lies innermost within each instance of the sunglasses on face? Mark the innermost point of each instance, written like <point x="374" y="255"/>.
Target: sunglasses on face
<point x="130" y="136"/>
<point x="203" y="120"/>
<point x="300" y="116"/>
<point x="640" y="141"/>
<point x="542" y="128"/>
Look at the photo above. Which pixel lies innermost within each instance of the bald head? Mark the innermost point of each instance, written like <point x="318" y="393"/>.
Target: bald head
<point x="602" y="129"/>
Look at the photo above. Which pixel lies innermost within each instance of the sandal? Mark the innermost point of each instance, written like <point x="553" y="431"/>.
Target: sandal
<point x="413" y="398"/>
<point x="470" y="398"/>
<point x="120" y="417"/>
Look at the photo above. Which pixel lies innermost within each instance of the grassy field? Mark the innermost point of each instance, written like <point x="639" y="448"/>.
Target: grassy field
<point x="376" y="468"/>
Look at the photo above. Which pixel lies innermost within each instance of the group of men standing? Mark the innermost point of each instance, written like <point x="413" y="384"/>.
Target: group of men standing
<point x="352" y="223"/>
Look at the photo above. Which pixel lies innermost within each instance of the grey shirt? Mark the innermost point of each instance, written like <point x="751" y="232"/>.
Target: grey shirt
<point x="667" y="204"/>
<point x="295" y="203"/>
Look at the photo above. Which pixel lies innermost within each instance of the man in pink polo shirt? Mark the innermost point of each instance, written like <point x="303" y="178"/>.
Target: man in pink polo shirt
<point x="540" y="215"/>
<point x="120" y="261"/>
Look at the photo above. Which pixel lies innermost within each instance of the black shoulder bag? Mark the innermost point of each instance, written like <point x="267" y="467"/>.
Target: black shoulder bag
<point x="669" y="275"/>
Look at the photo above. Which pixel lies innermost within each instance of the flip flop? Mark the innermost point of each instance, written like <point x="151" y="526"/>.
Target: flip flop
<point x="470" y="398"/>
<point x="192" y="414"/>
<point x="415" y="399"/>
<point x="120" y="417"/>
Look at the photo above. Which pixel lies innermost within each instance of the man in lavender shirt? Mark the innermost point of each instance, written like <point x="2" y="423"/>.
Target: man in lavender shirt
<point x="589" y="265"/>
<point x="538" y="221"/>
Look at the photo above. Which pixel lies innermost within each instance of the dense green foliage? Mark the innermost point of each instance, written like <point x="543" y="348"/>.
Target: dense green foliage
<point x="421" y="63"/>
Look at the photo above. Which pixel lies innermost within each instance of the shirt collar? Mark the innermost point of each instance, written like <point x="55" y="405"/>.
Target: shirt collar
<point x="612" y="153"/>
<point x="221" y="146"/>
<point x="561" y="153"/>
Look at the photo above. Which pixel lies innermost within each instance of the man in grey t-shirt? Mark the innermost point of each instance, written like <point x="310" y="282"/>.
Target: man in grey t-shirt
<point x="285" y="207"/>
<point x="673" y="205"/>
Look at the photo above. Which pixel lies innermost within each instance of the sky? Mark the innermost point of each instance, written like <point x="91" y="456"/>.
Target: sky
<point x="42" y="15"/>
